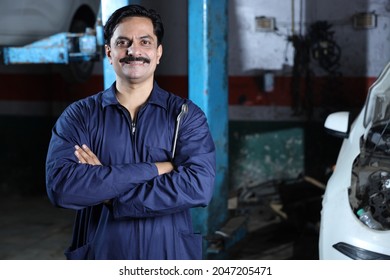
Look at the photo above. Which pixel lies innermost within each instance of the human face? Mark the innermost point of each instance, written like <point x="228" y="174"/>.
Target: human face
<point x="133" y="50"/>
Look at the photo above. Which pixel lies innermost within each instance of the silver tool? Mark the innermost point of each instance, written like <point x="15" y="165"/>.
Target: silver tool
<point x="184" y="110"/>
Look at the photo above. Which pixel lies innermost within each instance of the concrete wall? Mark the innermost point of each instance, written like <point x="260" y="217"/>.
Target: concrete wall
<point x="365" y="51"/>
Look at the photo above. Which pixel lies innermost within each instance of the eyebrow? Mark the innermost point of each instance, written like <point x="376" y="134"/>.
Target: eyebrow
<point x="147" y="37"/>
<point x="141" y="37"/>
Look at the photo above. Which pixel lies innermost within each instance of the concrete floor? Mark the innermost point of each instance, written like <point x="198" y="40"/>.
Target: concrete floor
<point x="32" y="229"/>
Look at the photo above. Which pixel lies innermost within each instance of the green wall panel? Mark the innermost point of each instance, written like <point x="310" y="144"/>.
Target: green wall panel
<point x="262" y="151"/>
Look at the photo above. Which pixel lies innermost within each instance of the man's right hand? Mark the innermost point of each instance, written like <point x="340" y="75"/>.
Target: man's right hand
<point x="86" y="156"/>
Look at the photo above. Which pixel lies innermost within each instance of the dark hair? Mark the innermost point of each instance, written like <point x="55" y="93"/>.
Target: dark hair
<point x="133" y="11"/>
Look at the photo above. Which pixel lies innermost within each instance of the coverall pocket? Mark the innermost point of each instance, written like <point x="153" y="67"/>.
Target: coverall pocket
<point x="190" y="246"/>
<point x="80" y="253"/>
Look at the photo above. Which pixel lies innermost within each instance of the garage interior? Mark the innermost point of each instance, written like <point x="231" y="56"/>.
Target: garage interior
<point x="274" y="72"/>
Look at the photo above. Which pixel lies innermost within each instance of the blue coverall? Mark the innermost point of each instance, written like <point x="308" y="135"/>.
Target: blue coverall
<point x="149" y="215"/>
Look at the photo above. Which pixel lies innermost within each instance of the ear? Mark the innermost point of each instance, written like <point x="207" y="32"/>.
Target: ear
<point x="159" y="53"/>
<point x="107" y="49"/>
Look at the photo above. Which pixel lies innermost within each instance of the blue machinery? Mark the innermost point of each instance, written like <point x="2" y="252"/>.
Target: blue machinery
<point x="62" y="48"/>
<point x="208" y="81"/>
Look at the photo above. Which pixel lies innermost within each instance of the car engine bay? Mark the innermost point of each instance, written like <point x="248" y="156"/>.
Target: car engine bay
<point x="370" y="188"/>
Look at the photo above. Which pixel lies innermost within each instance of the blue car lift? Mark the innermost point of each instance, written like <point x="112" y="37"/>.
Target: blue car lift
<point x="61" y="48"/>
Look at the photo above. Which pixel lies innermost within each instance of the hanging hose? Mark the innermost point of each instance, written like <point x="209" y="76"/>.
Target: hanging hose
<point x="324" y="48"/>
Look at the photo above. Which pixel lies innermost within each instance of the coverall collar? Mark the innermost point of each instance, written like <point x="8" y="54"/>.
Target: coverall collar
<point x="156" y="97"/>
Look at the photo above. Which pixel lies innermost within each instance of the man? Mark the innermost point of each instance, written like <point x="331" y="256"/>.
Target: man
<point x="133" y="159"/>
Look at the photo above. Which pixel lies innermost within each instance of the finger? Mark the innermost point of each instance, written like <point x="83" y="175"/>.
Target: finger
<point x="82" y="156"/>
<point x="88" y="151"/>
<point x="78" y="155"/>
<point x="91" y="157"/>
<point x="85" y="155"/>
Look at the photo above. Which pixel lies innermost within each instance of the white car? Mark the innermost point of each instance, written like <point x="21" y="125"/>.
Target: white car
<point x="360" y="181"/>
<point x="23" y="22"/>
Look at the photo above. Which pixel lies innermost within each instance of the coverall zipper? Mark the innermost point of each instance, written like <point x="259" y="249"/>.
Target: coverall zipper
<point x="133" y="127"/>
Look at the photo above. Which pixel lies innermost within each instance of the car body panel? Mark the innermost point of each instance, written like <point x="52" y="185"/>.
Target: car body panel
<point x="358" y="161"/>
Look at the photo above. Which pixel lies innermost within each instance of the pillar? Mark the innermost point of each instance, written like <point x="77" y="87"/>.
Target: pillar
<point x="208" y="88"/>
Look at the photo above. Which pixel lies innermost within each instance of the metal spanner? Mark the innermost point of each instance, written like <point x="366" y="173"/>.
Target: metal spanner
<point x="184" y="110"/>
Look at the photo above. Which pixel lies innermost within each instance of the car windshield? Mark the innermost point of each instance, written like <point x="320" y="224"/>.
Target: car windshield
<point x="377" y="107"/>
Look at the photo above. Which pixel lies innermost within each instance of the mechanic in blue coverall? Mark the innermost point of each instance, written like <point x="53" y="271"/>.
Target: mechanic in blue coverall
<point x="111" y="155"/>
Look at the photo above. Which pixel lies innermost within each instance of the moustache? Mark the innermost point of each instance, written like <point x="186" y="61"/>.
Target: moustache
<point x="132" y="58"/>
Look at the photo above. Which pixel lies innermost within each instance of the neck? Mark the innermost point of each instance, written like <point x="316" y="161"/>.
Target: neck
<point x="132" y="96"/>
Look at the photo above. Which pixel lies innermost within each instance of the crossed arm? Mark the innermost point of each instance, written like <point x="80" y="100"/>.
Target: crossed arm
<point x="86" y="156"/>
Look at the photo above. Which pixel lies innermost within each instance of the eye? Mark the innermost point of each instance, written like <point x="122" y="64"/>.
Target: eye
<point x="122" y="43"/>
<point x="146" y="42"/>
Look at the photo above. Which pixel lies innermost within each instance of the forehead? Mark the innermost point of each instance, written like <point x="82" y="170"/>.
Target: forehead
<point x="134" y="26"/>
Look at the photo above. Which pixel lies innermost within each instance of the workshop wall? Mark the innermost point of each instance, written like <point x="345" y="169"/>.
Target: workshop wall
<point x="276" y="112"/>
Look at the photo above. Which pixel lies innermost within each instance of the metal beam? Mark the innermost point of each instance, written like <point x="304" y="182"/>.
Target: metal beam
<point x="208" y="88"/>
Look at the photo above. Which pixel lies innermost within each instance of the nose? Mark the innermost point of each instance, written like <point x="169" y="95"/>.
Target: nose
<point x="133" y="49"/>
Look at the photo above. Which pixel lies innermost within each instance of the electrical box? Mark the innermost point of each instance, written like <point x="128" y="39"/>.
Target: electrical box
<point x="364" y="20"/>
<point x="265" y="24"/>
<point x="268" y="82"/>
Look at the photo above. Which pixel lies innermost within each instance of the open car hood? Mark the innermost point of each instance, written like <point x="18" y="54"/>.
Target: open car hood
<point x="377" y="107"/>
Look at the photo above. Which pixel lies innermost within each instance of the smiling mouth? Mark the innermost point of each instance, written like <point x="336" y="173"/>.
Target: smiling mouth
<point x="130" y="59"/>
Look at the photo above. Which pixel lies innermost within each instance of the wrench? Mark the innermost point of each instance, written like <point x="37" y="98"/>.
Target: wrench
<point x="184" y="111"/>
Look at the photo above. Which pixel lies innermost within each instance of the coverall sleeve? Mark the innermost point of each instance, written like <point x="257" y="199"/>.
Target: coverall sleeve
<point x="75" y="186"/>
<point x="189" y="185"/>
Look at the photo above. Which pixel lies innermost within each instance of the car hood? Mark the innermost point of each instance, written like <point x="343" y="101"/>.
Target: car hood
<point x="377" y="109"/>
